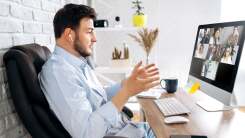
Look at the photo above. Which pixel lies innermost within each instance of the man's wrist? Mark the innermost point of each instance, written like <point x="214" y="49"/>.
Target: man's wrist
<point x="120" y="99"/>
<point x="122" y="82"/>
<point x="125" y="89"/>
<point x="125" y="92"/>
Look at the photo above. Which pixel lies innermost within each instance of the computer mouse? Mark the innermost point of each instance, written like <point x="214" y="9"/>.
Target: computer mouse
<point x="175" y="120"/>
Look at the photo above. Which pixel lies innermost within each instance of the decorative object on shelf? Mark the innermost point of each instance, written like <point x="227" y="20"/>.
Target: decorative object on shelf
<point x="101" y="23"/>
<point x="116" y="54"/>
<point x="120" y="63"/>
<point x="118" y="60"/>
<point x="125" y="51"/>
<point x="146" y="39"/>
<point x="139" y="18"/>
<point x="118" y="24"/>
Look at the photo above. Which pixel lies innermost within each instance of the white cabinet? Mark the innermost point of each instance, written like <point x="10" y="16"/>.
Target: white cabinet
<point x="109" y="75"/>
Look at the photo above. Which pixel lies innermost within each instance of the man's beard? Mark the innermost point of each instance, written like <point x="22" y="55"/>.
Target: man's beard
<point x="79" y="48"/>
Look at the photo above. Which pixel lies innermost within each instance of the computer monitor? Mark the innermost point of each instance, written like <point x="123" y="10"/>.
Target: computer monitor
<point x="216" y="57"/>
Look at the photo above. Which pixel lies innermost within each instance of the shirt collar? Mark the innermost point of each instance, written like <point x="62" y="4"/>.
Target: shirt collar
<point x="76" y="61"/>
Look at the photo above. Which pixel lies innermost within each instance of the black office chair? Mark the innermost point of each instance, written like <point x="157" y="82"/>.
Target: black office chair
<point x="23" y="63"/>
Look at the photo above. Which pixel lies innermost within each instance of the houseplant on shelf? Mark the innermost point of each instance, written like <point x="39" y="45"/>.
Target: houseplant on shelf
<point x="146" y="39"/>
<point x="139" y="18"/>
<point x="117" y="60"/>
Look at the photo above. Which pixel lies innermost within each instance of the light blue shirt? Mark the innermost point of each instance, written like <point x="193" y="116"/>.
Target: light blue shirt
<point x="78" y="99"/>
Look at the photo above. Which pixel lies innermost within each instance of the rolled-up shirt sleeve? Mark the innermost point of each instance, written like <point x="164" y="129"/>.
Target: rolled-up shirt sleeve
<point x="68" y="99"/>
<point x="112" y="90"/>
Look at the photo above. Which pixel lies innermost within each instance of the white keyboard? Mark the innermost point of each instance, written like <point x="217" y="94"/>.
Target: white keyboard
<point x="171" y="106"/>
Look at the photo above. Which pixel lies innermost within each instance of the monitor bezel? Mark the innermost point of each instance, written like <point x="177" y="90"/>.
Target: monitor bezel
<point x="241" y="42"/>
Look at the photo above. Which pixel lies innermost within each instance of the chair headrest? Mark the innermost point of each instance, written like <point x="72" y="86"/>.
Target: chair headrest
<point x="29" y="59"/>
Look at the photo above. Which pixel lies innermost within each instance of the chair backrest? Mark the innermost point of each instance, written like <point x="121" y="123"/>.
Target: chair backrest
<point x="23" y="63"/>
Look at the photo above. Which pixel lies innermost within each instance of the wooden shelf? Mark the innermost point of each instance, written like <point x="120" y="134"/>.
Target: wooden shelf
<point x="101" y="29"/>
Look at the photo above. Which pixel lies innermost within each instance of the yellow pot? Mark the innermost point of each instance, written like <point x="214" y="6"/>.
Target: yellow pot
<point x="139" y="20"/>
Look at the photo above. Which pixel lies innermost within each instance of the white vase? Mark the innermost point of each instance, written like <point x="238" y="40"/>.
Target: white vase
<point x="147" y="60"/>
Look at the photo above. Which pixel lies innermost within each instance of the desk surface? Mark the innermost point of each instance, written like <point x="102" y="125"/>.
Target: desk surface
<point x="226" y="124"/>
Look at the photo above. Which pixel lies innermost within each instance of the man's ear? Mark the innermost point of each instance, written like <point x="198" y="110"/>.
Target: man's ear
<point x="70" y="37"/>
<point x="69" y="34"/>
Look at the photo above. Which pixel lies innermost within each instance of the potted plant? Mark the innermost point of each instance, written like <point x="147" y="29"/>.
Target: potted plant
<point x="120" y="58"/>
<point x="146" y="39"/>
<point x="139" y="18"/>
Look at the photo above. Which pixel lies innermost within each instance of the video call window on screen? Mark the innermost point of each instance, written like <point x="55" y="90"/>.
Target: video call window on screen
<point x="209" y="69"/>
<point x="217" y="46"/>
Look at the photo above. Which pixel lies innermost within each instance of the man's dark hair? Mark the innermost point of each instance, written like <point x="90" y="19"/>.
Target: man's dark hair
<point x="69" y="17"/>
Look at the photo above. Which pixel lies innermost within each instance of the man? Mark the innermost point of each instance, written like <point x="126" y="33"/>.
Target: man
<point x="82" y="105"/>
<point x="205" y="38"/>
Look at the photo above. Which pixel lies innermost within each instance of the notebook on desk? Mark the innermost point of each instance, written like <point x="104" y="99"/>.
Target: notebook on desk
<point x="152" y="93"/>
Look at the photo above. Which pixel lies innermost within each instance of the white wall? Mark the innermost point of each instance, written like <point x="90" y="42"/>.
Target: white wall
<point x="109" y="9"/>
<point x="232" y="10"/>
<point x="107" y="40"/>
<point x="177" y="21"/>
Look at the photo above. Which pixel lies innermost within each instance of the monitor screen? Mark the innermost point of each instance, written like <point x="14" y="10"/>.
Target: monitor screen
<point x="217" y="53"/>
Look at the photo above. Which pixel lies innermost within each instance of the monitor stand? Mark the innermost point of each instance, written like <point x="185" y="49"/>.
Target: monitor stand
<point x="210" y="104"/>
<point x="213" y="106"/>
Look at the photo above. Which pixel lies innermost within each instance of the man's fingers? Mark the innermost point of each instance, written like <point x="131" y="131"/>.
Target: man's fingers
<point x="144" y="72"/>
<point x="136" y="69"/>
<point x="149" y="66"/>
<point x="138" y="65"/>
<point x="152" y="70"/>
<point x="151" y="79"/>
<point x="141" y="71"/>
<point x="152" y="74"/>
<point x="153" y="84"/>
<point x="147" y="75"/>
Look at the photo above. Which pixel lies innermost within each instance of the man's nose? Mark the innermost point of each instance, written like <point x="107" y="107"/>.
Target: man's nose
<point x="94" y="38"/>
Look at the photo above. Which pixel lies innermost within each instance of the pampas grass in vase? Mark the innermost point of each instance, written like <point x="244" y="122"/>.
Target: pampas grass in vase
<point x="146" y="39"/>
